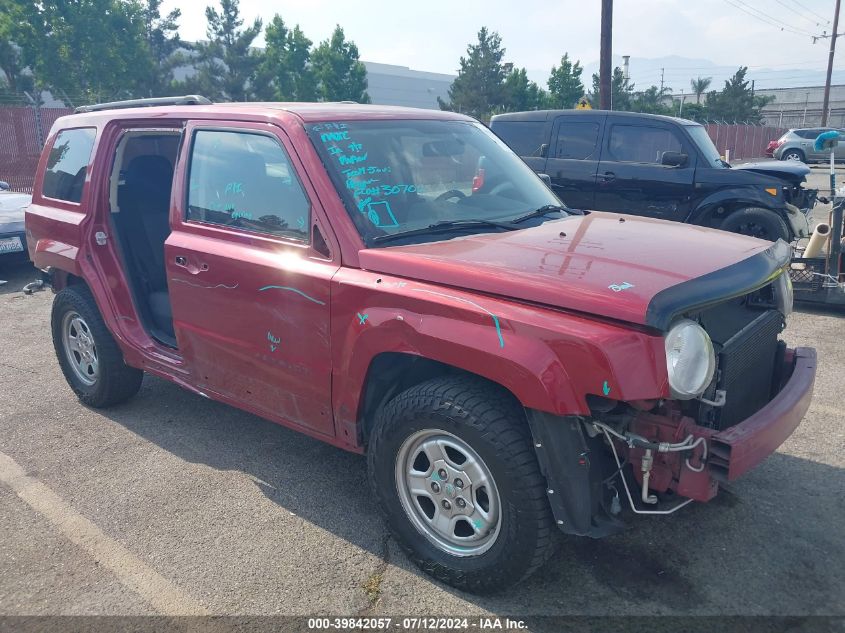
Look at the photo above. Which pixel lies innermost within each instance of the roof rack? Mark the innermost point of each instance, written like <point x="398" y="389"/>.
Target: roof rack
<point x="146" y="103"/>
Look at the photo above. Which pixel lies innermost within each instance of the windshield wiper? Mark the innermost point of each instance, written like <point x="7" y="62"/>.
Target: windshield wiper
<point x="444" y="227"/>
<point x="544" y="210"/>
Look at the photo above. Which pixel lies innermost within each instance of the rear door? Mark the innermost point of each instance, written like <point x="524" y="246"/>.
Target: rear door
<point x="249" y="292"/>
<point x="631" y="177"/>
<point x="574" y="158"/>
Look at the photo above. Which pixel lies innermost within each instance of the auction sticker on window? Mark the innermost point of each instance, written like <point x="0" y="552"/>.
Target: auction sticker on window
<point x="11" y="245"/>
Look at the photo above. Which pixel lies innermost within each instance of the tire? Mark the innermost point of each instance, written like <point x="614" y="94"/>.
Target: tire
<point x="93" y="366"/>
<point x="793" y="154"/>
<point x="757" y="222"/>
<point x="488" y="425"/>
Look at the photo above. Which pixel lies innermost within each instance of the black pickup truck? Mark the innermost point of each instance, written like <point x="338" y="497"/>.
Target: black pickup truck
<point x="657" y="166"/>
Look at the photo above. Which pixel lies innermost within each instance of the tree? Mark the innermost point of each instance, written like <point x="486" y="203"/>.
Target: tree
<point x="162" y="40"/>
<point x="621" y="90"/>
<point x="699" y="86"/>
<point x="736" y="101"/>
<point x="523" y="94"/>
<point x="285" y="73"/>
<point x="340" y="75"/>
<point x="12" y="74"/>
<point x="85" y="50"/>
<point x="651" y="100"/>
<point x="565" y="87"/>
<point x="227" y="62"/>
<point x="479" y="88"/>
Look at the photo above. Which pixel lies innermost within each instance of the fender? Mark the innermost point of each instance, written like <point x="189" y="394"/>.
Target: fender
<point x="549" y="360"/>
<point x="737" y="197"/>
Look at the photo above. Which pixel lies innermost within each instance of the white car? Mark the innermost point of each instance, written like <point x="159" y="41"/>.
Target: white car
<point x="12" y="235"/>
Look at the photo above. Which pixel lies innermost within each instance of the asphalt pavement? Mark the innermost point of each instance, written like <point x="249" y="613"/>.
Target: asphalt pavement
<point x="173" y="504"/>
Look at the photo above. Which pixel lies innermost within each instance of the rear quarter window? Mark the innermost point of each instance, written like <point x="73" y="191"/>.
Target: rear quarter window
<point x="67" y="163"/>
<point x="523" y="137"/>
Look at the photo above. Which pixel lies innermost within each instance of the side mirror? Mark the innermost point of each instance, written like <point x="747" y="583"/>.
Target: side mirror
<point x="673" y="159"/>
<point x="4" y="186"/>
<point x="546" y="180"/>
<point x="543" y="151"/>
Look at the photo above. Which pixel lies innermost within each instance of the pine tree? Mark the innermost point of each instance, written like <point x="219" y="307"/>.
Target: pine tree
<point x="621" y="90"/>
<point x="162" y="40"/>
<point x="479" y="88"/>
<point x="736" y="101"/>
<point x="565" y="87"/>
<point x="523" y="94"/>
<point x="340" y="75"/>
<point x="285" y="73"/>
<point x="227" y="62"/>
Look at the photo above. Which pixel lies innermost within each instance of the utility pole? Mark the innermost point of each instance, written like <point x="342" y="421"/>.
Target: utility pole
<point x="661" y="80"/>
<point x="606" y="55"/>
<point x="830" y="64"/>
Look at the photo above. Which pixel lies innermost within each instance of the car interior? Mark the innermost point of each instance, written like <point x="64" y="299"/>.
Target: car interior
<point x="141" y="182"/>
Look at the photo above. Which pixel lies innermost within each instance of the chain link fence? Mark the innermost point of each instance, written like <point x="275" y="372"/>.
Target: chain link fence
<point x="23" y="131"/>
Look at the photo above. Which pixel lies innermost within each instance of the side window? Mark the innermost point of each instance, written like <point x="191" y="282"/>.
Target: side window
<point x="523" y="137"/>
<point x="577" y="139"/>
<point x="641" y="144"/>
<point x="246" y="180"/>
<point x="67" y="163"/>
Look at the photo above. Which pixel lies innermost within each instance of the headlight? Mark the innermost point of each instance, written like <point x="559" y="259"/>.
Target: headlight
<point x="690" y="359"/>
<point x="783" y="293"/>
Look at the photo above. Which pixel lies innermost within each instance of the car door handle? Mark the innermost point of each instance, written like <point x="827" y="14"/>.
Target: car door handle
<point x="607" y="176"/>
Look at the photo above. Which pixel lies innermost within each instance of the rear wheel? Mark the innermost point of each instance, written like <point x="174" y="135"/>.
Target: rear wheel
<point x="793" y="154"/>
<point x="453" y="468"/>
<point x="91" y="361"/>
<point x="757" y="222"/>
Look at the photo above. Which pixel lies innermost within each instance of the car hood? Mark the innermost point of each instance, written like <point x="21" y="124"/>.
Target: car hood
<point x="638" y="270"/>
<point x="788" y="170"/>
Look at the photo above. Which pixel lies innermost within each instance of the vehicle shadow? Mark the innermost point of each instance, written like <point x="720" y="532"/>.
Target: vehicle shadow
<point x="771" y="546"/>
<point x="16" y="272"/>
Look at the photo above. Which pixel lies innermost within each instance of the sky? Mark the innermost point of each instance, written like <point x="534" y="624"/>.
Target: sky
<point x="769" y="36"/>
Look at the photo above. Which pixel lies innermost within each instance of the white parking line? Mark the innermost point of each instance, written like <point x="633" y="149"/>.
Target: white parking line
<point x="132" y="572"/>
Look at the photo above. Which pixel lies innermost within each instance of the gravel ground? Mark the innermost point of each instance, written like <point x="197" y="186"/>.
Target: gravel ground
<point x="173" y="504"/>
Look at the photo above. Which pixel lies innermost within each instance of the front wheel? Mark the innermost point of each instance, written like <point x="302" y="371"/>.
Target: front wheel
<point x="88" y="355"/>
<point x="453" y="468"/>
<point x="757" y="222"/>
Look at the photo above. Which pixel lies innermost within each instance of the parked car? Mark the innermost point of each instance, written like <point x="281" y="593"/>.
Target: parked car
<point x="510" y="367"/>
<point x="12" y="235"/>
<point x="657" y="166"/>
<point x="797" y="145"/>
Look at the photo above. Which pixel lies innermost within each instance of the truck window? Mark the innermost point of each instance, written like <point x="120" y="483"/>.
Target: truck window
<point x="523" y="137"/>
<point x="577" y="139"/>
<point x="641" y="144"/>
<point x="67" y="164"/>
<point x="245" y="180"/>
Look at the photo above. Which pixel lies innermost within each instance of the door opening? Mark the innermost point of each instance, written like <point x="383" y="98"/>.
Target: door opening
<point x="140" y="187"/>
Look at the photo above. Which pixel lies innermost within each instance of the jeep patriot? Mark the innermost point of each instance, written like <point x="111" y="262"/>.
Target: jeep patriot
<point x="511" y="368"/>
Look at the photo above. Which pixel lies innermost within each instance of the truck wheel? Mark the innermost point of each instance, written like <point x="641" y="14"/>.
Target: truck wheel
<point x="453" y="467"/>
<point x="757" y="222"/>
<point x="88" y="355"/>
<point x="793" y="154"/>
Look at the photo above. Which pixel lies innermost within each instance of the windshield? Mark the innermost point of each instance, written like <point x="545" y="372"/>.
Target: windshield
<point x="399" y="176"/>
<point x="705" y="145"/>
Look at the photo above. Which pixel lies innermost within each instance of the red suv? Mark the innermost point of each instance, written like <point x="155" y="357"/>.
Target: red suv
<point x="510" y="367"/>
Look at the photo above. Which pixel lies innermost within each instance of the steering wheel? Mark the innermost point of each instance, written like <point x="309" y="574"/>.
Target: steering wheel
<point x="452" y="193"/>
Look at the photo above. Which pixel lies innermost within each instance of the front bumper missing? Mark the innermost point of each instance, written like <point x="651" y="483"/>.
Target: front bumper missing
<point x="731" y="452"/>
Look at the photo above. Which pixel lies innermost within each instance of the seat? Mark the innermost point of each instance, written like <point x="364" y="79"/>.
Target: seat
<point x="144" y="219"/>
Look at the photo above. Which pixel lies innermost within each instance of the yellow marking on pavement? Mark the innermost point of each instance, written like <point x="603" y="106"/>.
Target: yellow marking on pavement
<point x="134" y="573"/>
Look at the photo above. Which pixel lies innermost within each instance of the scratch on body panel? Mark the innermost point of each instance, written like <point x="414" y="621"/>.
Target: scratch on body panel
<point x="297" y="291"/>
<point x="472" y="303"/>
<point x="183" y="281"/>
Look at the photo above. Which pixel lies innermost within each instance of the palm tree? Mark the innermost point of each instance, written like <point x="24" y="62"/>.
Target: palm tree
<point x="699" y="86"/>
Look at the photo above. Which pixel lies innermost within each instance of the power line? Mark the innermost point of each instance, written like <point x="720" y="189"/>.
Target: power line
<point x="798" y="13"/>
<point x="826" y="20"/>
<point x="754" y="13"/>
